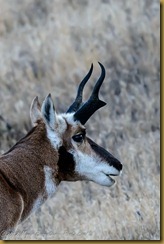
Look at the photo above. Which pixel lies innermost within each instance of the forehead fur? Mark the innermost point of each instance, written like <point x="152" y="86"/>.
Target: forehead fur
<point x="67" y="122"/>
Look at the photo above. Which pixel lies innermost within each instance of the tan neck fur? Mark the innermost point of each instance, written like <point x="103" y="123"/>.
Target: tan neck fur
<point x="23" y="166"/>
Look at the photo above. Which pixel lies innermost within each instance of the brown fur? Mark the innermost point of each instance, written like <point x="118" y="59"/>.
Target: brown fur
<point x="26" y="158"/>
<point x="11" y="206"/>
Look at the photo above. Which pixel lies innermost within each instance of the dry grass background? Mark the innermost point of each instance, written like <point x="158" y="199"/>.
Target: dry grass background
<point x="48" y="46"/>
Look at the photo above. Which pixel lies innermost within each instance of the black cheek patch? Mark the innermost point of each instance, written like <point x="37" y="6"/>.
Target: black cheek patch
<point x="66" y="162"/>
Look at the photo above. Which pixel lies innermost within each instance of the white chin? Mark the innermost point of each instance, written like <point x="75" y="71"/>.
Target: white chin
<point x="105" y="180"/>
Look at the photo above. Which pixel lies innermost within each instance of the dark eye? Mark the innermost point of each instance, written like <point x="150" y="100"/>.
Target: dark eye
<point x="78" y="138"/>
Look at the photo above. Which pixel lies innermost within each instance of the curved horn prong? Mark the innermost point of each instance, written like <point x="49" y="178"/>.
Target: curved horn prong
<point x="93" y="103"/>
<point x="78" y="101"/>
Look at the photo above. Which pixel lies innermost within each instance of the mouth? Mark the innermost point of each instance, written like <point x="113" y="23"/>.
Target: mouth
<point x="111" y="178"/>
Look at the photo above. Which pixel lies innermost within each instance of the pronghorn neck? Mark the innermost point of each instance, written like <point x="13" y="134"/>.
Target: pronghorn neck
<point x="35" y="143"/>
<point x="30" y="167"/>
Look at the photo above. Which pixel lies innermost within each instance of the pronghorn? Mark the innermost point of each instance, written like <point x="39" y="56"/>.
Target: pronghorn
<point x="56" y="149"/>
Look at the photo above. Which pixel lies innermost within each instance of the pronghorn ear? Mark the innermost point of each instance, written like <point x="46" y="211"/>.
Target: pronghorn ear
<point x="48" y="112"/>
<point x="35" y="112"/>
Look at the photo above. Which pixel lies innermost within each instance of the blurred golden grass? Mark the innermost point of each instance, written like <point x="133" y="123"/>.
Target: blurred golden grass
<point x="48" y="46"/>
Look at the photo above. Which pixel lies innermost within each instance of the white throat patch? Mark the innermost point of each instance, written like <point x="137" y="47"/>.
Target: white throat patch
<point x="49" y="183"/>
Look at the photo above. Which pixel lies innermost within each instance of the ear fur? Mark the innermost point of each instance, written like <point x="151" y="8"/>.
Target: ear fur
<point x="48" y="112"/>
<point x="35" y="112"/>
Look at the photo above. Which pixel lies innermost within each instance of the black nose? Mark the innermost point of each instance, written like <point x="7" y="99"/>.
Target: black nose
<point x="116" y="163"/>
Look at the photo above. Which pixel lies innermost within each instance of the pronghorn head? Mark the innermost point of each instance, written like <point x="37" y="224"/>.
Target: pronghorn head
<point x="80" y="158"/>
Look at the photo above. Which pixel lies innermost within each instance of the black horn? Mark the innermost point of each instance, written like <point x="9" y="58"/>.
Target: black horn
<point x="93" y="103"/>
<point x="78" y="101"/>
